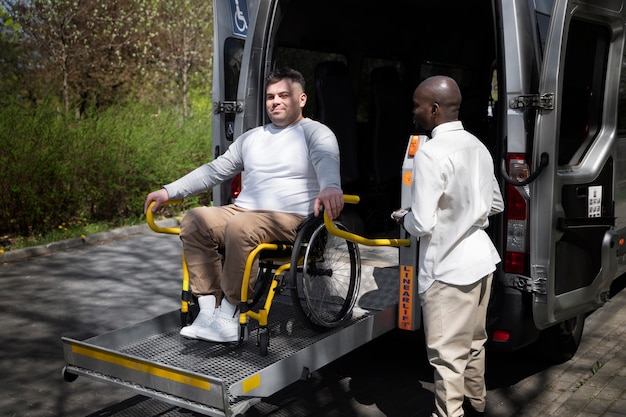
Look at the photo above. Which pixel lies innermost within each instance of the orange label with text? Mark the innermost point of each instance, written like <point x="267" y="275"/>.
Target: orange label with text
<point x="405" y="305"/>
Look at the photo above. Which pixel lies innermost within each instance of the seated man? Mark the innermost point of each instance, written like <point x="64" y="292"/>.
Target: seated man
<point x="291" y="169"/>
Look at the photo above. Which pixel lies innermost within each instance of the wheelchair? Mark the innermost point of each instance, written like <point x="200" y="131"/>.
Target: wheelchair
<point x="321" y="269"/>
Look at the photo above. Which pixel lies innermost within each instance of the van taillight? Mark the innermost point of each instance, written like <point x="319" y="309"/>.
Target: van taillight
<point x="235" y="186"/>
<point x="516" y="216"/>
<point x="501" y="335"/>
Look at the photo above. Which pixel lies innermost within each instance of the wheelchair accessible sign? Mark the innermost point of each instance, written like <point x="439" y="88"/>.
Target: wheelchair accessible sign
<point x="239" y="12"/>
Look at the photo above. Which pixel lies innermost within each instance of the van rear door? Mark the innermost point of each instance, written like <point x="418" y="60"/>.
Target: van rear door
<point x="572" y="219"/>
<point x="239" y="54"/>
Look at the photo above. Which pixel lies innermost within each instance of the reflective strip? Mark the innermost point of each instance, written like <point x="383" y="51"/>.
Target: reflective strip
<point x="251" y="383"/>
<point x="151" y="369"/>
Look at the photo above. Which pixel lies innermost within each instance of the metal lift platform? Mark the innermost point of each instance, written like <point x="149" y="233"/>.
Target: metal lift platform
<point x="217" y="379"/>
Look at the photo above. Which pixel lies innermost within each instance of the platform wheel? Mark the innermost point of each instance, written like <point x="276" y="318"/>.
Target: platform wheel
<point x="192" y="309"/>
<point x="243" y="333"/>
<point x="67" y="375"/>
<point x="185" y="319"/>
<point x="264" y="340"/>
<point x="326" y="285"/>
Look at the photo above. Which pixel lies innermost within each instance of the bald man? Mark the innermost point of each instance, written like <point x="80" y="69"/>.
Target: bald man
<point x="454" y="190"/>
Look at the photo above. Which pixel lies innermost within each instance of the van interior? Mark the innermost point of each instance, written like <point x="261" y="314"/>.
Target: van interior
<point x="362" y="60"/>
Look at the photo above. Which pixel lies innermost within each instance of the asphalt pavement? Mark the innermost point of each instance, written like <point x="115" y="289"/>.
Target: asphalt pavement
<point x="85" y="287"/>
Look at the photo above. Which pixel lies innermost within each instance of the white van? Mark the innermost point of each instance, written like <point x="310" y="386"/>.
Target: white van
<point x="541" y="87"/>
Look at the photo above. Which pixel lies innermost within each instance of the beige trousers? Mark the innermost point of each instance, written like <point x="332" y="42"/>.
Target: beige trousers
<point x="454" y="325"/>
<point x="207" y="231"/>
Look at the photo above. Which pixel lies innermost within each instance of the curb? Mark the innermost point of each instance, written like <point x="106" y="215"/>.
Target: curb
<point x="113" y="234"/>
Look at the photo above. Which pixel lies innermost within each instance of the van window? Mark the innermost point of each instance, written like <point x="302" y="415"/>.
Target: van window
<point x="621" y="105"/>
<point x="233" y="54"/>
<point x="583" y="89"/>
<point x="543" y="12"/>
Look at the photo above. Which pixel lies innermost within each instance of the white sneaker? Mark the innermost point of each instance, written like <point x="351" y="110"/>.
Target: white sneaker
<point x="225" y="327"/>
<point x="205" y="317"/>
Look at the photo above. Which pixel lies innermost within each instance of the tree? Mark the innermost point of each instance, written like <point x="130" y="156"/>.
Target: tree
<point x="10" y="54"/>
<point x="91" y="53"/>
<point x="94" y="48"/>
<point x="185" y="42"/>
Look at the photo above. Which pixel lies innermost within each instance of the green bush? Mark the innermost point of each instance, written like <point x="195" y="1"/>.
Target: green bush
<point x="55" y="169"/>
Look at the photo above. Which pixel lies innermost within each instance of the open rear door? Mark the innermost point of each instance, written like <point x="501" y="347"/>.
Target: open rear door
<point x="241" y="31"/>
<point x="572" y="238"/>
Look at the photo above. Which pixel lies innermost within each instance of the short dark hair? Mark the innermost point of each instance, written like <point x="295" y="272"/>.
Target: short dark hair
<point x="282" y="73"/>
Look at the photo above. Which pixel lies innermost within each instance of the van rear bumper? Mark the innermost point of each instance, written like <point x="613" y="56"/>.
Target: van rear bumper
<point x="515" y="320"/>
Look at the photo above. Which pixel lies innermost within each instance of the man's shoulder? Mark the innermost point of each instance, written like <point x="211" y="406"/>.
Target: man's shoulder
<point x="252" y="132"/>
<point x="313" y="127"/>
<point x="311" y="123"/>
<point x="450" y="142"/>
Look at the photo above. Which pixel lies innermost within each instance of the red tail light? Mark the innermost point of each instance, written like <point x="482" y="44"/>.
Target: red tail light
<point x="516" y="216"/>
<point x="501" y="335"/>
<point x="235" y="186"/>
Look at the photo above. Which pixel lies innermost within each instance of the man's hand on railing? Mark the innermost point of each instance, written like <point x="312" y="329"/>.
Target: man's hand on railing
<point x="159" y="197"/>
<point x="331" y="199"/>
<point x="332" y="229"/>
<point x="150" y="219"/>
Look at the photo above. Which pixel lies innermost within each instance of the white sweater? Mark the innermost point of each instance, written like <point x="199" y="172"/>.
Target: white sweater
<point x="283" y="168"/>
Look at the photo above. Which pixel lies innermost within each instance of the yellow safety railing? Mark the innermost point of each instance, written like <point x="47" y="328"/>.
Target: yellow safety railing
<point x="156" y="227"/>
<point x="184" y="307"/>
<point x="330" y="226"/>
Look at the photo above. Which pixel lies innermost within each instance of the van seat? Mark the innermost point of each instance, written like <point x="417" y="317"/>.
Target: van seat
<point x="390" y="128"/>
<point x="336" y="108"/>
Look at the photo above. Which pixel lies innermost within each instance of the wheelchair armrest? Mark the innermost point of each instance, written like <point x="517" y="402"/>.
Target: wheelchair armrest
<point x="157" y="228"/>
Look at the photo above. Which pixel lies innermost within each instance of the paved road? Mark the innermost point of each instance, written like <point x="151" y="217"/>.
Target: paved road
<point x="91" y="289"/>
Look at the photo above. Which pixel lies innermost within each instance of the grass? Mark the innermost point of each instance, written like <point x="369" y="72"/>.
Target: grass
<point x="81" y="228"/>
<point x="66" y="230"/>
<point x="65" y="178"/>
<point x="594" y="369"/>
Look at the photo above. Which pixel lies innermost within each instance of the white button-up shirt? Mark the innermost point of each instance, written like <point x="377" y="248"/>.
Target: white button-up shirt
<point x="454" y="190"/>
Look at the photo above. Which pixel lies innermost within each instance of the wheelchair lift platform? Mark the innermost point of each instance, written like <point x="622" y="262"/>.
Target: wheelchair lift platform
<point x="218" y="379"/>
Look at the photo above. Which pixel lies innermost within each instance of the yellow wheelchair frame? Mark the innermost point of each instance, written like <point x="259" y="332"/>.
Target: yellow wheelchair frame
<point x="276" y="259"/>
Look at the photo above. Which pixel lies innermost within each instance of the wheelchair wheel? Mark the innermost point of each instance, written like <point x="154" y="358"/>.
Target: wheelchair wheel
<point x="326" y="282"/>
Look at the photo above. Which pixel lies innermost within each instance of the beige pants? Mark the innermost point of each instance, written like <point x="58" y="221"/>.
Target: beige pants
<point x="454" y="325"/>
<point x="207" y="231"/>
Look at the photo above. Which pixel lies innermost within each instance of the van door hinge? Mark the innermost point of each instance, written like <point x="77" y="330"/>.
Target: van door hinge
<point x="526" y="284"/>
<point x="228" y="107"/>
<point x="533" y="101"/>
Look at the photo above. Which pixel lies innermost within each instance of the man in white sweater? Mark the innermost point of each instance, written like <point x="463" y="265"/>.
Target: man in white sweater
<point x="454" y="191"/>
<point x="290" y="169"/>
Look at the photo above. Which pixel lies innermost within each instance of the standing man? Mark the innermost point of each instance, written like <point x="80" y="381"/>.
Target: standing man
<point x="290" y="168"/>
<point x="454" y="191"/>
